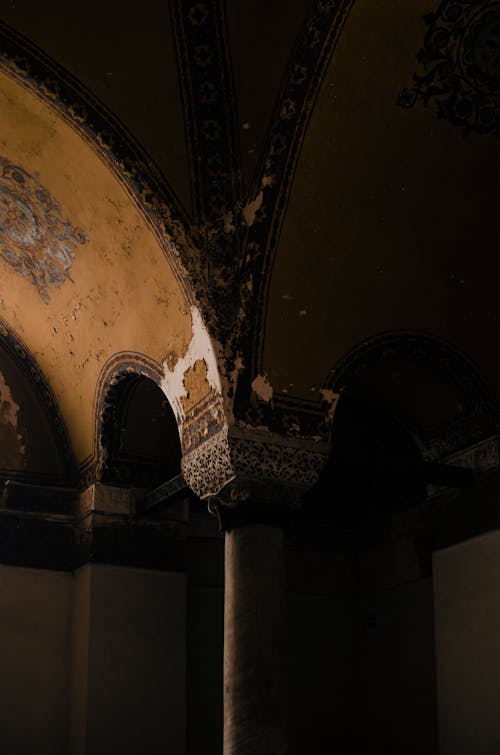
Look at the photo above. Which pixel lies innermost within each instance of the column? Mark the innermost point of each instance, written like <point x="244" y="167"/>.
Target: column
<point x="253" y="479"/>
<point x="254" y="692"/>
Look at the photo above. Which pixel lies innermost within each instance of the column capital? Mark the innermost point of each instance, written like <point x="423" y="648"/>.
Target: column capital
<point x="241" y="464"/>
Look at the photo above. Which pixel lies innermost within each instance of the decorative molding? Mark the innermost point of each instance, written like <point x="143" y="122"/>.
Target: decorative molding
<point x="166" y="493"/>
<point x="246" y="464"/>
<point x="266" y="456"/>
<point x="122" y="366"/>
<point x="208" y="467"/>
<point x="210" y="115"/>
<point x="460" y="65"/>
<point x="206" y="84"/>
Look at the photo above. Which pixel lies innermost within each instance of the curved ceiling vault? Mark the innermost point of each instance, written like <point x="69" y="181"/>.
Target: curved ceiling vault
<point x="391" y="215"/>
<point x="388" y="223"/>
<point x="100" y="283"/>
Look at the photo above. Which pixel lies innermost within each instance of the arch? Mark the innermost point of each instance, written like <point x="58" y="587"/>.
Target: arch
<point x="139" y="439"/>
<point x="128" y="288"/>
<point x="130" y="222"/>
<point x="119" y="376"/>
<point x="401" y="370"/>
<point x="31" y="419"/>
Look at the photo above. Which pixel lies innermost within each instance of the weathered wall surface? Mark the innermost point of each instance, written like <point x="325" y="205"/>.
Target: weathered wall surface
<point x="397" y="653"/>
<point x="131" y="695"/>
<point x="467" y="605"/>
<point x="322" y="651"/>
<point x="92" y="663"/>
<point x="111" y="288"/>
<point x="34" y="660"/>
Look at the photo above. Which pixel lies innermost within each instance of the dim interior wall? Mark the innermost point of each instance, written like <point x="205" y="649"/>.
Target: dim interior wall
<point x="205" y="634"/>
<point x="34" y="657"/>
<point x="467" y="605"/>
<point x="398" y="704"/>
<point x="129" y="648"/>
<point x="322" y="660"/>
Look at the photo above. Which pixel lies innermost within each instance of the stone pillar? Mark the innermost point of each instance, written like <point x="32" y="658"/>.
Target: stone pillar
<point x="254" y="691"/>
<point x="254" y="480"/>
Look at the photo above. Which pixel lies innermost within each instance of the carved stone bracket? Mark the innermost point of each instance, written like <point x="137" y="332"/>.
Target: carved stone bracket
<point x="239" y="465"/>
<point x="208" y="467"/>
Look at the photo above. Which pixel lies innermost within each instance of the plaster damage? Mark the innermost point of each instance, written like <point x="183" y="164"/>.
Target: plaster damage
<point x="331" y="399"/>
<point x="251" y="208"/>
<point x="262" y="388"/>
<point x="182" y="374"/>
<point x="12" y="447"/>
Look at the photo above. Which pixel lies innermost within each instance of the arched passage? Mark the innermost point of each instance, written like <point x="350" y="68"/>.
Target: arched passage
<point x="139" y="439"/>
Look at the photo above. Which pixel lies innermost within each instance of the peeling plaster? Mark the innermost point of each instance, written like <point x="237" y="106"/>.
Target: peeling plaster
<point x="9" y="408"/>
<point x="332" y="399"/>
<point x="251" y="208"/>
<point x="9" y="411"/>
<point x="229" y="226"/>
<point x="262" y="388"/>
<point x="174" y="371"/>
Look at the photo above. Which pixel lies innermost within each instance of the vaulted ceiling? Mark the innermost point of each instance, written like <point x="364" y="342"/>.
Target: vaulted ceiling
<point x="332" y="197"/>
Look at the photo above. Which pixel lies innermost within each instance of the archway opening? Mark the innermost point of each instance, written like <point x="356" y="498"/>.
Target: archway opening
<point x="140" y="440"/>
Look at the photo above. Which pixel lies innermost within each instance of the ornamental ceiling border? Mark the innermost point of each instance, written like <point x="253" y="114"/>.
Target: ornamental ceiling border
<point x="459" y="66"/>
<point x="26" y="362"/>
<point x="211" y="122"/>
<point x="205" y="73"/>
<point x="273" y="182"/>
<point x="135" y="170"/>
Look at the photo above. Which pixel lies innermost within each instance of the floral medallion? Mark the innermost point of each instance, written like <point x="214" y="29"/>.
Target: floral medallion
<point x="460" y="63"/>
<point x="34" y="239"/>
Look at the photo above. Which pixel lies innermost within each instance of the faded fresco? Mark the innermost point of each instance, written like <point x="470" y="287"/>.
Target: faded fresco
<point x="34" y="239"/>
<point x="460" y="65"/>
